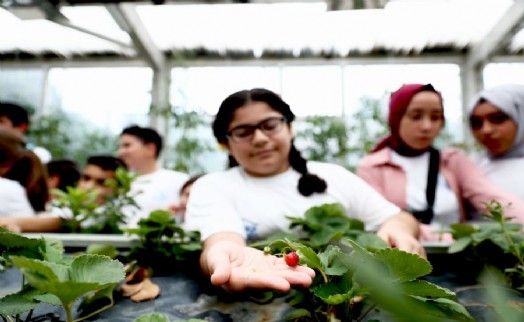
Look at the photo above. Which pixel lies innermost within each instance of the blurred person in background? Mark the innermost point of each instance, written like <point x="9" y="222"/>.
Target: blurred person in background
<point x="16" y="117"/>
<point x="13" y="197"/>
<point x="179" y="210"/>
<point x="140" y="148"/>
<point x="496" y="119"/>
<point x="62" y="173"/>
<point x="98" y="169"/>
<point x="437" y="187"/>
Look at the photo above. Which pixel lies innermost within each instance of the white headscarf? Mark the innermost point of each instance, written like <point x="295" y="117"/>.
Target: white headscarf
<point x="509" y="98"/>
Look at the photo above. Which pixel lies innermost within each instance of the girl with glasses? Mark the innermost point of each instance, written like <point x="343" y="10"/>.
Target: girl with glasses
<point x="496" y="118"/>
<point x="268" y="180"/>
<point x="437" y="187"/>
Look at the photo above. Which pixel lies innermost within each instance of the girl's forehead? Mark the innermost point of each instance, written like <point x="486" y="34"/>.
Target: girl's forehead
<point x="252" y="112"/>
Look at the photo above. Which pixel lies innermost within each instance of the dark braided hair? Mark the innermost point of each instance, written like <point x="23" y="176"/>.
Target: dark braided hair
<point x="309" y="183"/>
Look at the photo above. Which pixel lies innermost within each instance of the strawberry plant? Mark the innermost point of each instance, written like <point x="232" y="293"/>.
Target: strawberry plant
<point x="357" y="274"/>
<point x="496" y="243"/>
<point x="84" y="215"/>
<point x="164" y="245"/>
<point x="51" y="277"/>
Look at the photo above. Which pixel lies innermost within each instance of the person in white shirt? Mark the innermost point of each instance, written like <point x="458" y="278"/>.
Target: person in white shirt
<point x="496" y="119"/>
<point x="14" y="199"/>
<point x="94" y="176"/>
<point x="269" y="180"/>
<point x="155" y="188"/>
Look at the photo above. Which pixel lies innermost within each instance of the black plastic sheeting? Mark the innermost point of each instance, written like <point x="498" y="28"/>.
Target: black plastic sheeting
<point x="186" y="295"/>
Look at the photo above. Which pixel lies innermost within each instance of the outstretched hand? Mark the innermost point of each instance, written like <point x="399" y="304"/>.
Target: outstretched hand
<point x="237" y="267"/>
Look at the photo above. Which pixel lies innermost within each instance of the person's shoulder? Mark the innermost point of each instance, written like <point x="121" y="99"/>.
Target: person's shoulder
<point x="172" y="173"/>
<point x="9" y="185"/>
<point x="221" y="179"/>
<point x="376" y="158"/>
<point x="451" y="154"/>
<point x="220" y="176"/>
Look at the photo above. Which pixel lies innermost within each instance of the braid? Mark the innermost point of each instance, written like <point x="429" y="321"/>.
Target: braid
<point x="232" y="161"/>
<point x="309" y="183"/>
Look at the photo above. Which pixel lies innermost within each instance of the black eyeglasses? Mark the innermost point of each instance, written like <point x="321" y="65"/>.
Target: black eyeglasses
<point x="269" y="126"/>
<point x="497" y="118"/>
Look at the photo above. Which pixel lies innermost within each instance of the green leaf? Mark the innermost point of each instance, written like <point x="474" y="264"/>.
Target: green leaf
<point x="10" y="239"/>
<point x="405" y="266"/>
<point x="54" y="250"/>
<point x="462" y="230"/>
<point x="310" y="258"/>
<point x="371" y="241"/>
<point x="454" y="309"/>
<point x="154" y="317"/>
<point x="333" y="261"/>
<point x="297" y="314"/>
<point x="459" y="245"/>
<point x="331" y="293"/>
<point x="16" y="303"/>
<point x="86" y="273"/>
<point x="102" y="249"/>
<point x="427" y="289"/>
<point x="438" y="309"/>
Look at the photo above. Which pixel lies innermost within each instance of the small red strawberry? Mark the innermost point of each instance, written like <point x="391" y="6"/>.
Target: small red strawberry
<point x="292" y="259"/>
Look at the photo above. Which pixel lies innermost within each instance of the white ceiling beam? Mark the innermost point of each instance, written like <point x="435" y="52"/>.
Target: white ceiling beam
<point x="127" y="18"/>
<point x="500" y="35"/>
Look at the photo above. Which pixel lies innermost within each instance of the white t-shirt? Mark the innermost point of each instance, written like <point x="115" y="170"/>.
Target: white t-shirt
<point x="13" y="199"/>
<point x="446" y="208"/>
<point x="254" y="207"/>
<point x="508" y="174"/>
<point x="154" y="191"/>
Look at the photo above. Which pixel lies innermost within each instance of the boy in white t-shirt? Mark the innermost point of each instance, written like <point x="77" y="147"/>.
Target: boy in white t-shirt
<point x="155" y="188"/>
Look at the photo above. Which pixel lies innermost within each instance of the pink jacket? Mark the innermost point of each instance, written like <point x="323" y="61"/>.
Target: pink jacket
<point x="462" y="175"/>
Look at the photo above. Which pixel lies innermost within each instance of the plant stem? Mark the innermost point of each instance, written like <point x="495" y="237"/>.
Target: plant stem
<point x="69" y="315"/>
<point x="515" y="250"/>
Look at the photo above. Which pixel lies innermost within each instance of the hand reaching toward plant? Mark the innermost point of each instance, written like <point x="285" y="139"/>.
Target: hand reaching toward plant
<point x="401" y="231"/>
<point x="237" y="267"/>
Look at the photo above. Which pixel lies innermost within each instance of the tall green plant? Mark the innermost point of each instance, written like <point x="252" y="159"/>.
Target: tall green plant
<point x="70" y="137"/>
<point x="325" y="139"/>
<point x="190" y="129"/>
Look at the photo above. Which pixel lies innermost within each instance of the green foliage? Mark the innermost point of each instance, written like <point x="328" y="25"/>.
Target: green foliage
<point x="368" y="125"/>
<point x="186" y="154"/>
<point x="501" y="297"/>
<point x="352" y="275"/>
<point x="80" y="203"/>
<point x="68" y="137"/>
<point x="496" y="243"/>
<point x="87" y="216"/>
<point x="163" y="244"/>
<point x="52" y="278"/>
<point x="326" y="139"/>
<point x="111" y="214"/>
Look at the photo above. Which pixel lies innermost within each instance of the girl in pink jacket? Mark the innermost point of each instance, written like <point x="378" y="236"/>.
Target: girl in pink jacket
<point x="438" y="187"/>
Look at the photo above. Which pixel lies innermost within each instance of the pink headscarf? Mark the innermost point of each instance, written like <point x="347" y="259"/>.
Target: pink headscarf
<point x="398" y="104"/>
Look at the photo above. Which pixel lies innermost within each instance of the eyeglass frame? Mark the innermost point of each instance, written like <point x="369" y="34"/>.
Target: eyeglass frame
<point x="252" y="129"/>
